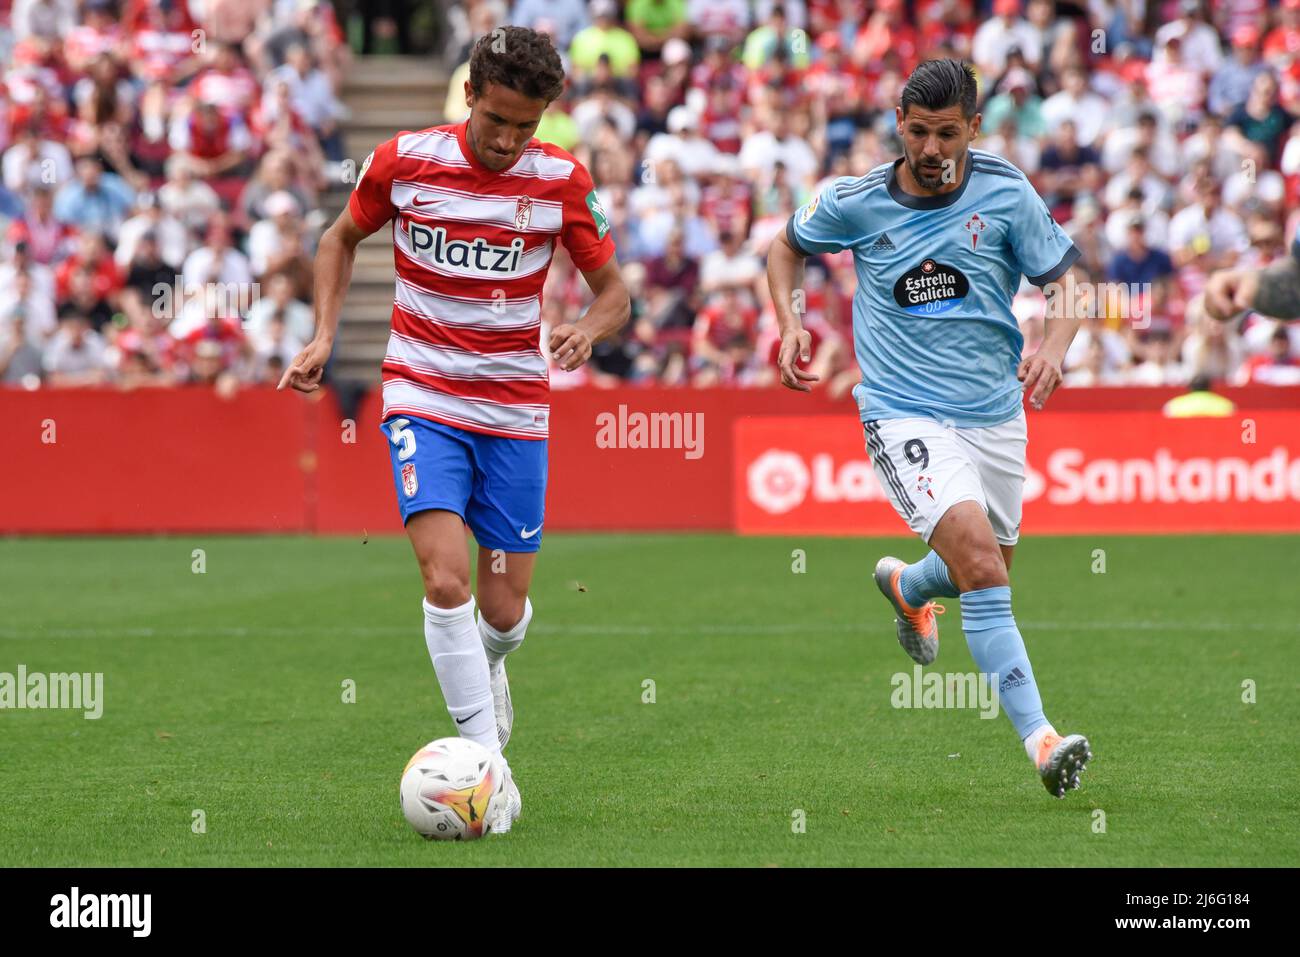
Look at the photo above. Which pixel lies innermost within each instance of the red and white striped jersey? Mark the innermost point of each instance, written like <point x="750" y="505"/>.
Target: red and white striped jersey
<point x="472" y="248"/>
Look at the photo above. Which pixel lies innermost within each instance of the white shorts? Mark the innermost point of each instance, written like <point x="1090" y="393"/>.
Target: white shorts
<point x="926" y="468"/>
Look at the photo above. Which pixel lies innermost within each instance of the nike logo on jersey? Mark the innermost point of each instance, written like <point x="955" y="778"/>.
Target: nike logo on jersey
<point x="416" y="201"/>
<point x="478" y="254"/>
<point x="525" y="533"/>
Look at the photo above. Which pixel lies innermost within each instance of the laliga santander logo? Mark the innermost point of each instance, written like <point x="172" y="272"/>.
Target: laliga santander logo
<point x="778" y="481"/>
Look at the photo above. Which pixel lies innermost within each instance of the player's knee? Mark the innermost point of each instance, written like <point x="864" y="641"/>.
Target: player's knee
<point x="445" y="589"/>
<point x="503" y="613"/>
<point x="984" y="570"/>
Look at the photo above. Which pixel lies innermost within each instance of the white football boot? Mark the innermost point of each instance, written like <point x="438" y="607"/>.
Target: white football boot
<point x="508" y="811"/>
<point x="505" y="711"/>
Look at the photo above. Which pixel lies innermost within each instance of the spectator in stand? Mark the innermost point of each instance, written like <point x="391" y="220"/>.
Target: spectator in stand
<point x="312" y="96"/>
<point x="77" y="355"/>
<point x="1067" y="169"/>
<point x="654" y="22"/>
<point x="45" y="237"/>
<point x="216" y="146"/>
<point x="20" y="360"/>
<point x="1206" y="235"/>
<point x="95" y="200"/>
<point x="170" y="238"/>
<point x="1159" y="365"/>
<point x="146" y="272"/>
<point x="1016" y="99"/>
<point x="1278" y="366"/>
<point x="1233" y="81"/>
<point x="276" y="173"/>
<point x="277" y="245"/>
<point x="187" y="198"/>
<point x="1137" y="264"/>
<point x="998" y="36"/>
<point x="1077" y="105"/>
<point x="604" y="39"/>
<point x="1177" y="84"/>
<point x="225" y="82"/>
<point x="729" y="19"/>
<point x="1257" y="128"/>
<point x="217" y="260"/>
<point x="30" y="310"/>
<point x="562" y="19"/>
<point x="92" y="260"/>
<point x="34" y="161"/>
<point x="278" y="303"/>
<point x="778" y="37"/>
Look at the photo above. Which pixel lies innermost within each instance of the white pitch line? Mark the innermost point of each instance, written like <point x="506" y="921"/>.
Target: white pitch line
<point x="226" y="631"/>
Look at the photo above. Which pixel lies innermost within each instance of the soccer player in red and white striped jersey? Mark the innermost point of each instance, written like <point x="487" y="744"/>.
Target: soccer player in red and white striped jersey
<point x="477" y="209"/>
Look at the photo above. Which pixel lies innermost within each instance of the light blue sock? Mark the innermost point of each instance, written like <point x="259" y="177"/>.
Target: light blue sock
<point x="926" y="579"/>
<point x="998" y="649"/>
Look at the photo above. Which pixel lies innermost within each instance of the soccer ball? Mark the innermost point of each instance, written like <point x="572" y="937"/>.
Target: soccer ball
<point x="452" y="790"/>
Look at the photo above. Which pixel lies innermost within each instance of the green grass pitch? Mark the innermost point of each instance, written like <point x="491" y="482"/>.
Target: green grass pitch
<point x="223" y="692"/>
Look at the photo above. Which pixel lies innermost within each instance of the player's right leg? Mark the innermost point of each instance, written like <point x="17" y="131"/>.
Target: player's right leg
<point x="433" y="473"/>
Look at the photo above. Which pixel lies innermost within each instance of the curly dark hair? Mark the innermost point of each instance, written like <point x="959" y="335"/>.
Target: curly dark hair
<point x="520" y="59"/>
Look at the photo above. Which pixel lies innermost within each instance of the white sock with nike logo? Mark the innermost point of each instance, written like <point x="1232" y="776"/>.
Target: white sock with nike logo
<point x="498" y="644"/>
<point x="462" y="669"/>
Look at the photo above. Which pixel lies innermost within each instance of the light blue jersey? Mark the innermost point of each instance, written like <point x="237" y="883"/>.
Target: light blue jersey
<point x="932" y="322"/>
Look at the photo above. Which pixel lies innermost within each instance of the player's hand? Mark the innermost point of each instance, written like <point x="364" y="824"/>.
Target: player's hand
<point x="1041" y="374"/>
<point x="796" y="346"/>
<point x="304" y="373"/>
<point x="570" y="346"/>
<point x="1230" y="292"/>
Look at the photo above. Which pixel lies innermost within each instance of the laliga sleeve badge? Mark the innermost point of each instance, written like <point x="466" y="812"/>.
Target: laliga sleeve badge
<point x="811" y="208"/>
<point x="410" y="484"/>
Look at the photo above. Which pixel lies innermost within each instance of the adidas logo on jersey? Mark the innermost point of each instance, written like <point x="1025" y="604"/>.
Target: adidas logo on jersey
<point x="478" y="254"/>
<point x="884" y="242"/>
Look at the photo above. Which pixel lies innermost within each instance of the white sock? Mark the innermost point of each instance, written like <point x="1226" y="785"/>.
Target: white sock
<point x="462" y="671"/>
<point x="1035" y="738"/>
<point x="498" y="644"/>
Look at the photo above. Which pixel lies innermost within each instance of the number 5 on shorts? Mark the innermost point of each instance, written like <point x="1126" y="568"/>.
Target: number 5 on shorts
<point x="402" y="436"/>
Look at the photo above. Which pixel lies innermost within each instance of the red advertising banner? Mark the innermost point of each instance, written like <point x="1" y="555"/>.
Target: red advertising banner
<point x="102" y="460"/>
<point x="1087" y="472"/>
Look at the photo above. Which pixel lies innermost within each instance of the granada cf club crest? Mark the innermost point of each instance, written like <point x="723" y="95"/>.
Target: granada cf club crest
<point x="975" y="225"/>
<point x="523" y="213"/>
<point x="410" y="484"/>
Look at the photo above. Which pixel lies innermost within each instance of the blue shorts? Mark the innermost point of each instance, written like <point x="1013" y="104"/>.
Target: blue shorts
<point x="497" y="485"/>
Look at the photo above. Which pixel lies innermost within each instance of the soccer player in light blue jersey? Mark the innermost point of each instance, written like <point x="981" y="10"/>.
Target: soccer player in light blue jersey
<point x="941" y="238"/>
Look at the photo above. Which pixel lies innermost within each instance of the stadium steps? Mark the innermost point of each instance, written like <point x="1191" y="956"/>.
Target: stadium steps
<point x="383" y="94"/>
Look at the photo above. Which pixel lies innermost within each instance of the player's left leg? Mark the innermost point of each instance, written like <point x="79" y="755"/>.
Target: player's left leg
<point x="978" y="546"/>
<point x="504" y="614"/>
<point x="505" y="513"/>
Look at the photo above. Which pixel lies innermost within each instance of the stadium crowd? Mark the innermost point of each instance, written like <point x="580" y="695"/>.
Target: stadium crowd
<point x="1163" y="135"/>
<point x="150" y="150"/>
<point x="166" y="144"/>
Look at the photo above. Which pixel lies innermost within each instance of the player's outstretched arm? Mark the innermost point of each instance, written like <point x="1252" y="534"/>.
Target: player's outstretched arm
<point x="785" y="269"/>
<point x="1274" y="291"/>
<point x="1041" y="372"/>
<point x="570" y="342"/>
<point x="331" y="273"/>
